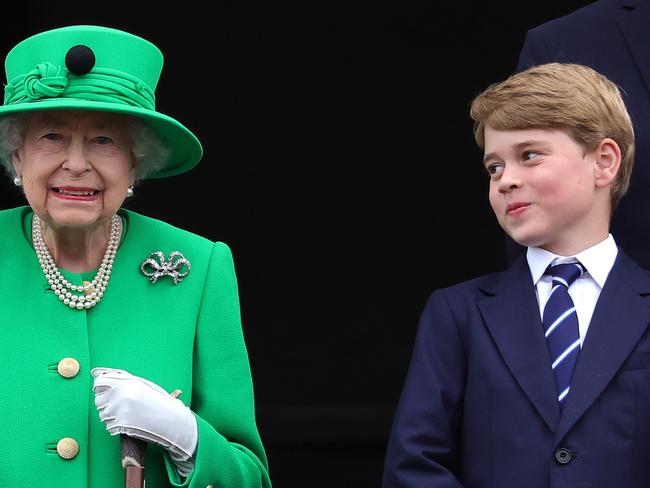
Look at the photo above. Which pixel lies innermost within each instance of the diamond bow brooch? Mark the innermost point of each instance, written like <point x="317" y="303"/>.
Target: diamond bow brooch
<point x="155" y="266"/>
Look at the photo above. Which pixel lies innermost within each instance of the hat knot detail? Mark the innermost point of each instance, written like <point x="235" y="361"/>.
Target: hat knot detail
<point x="47" y="80"/>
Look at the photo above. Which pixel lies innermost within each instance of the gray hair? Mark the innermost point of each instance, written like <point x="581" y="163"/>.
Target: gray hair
<point x="149" y="151"/>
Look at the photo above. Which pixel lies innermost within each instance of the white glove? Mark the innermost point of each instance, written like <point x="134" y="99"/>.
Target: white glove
<point x="137" y="407"/>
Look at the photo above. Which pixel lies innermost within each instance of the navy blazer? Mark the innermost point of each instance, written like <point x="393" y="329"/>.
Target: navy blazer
<point x="479" y="405"/>
<point x="613" y="37"/>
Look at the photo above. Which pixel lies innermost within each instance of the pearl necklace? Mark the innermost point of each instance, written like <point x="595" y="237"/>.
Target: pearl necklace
<point x="91" y="291"/>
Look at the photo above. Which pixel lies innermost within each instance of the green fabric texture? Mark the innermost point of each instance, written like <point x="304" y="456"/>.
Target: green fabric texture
<point x="187" y="336"/>
<point x="123" y="80"/>
<point x="103" y="85"/>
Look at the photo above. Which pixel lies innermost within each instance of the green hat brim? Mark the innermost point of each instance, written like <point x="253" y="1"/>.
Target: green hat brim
<point x="185" y="150"/>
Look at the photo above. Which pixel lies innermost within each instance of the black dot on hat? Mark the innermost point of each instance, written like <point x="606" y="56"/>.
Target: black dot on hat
<point x="80" y="59"/>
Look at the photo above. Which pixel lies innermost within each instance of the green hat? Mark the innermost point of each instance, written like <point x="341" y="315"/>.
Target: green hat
<point x="88" y="67"/>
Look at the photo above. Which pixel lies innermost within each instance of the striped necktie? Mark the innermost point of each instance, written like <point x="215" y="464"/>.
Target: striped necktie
<point x="561" y="326"/>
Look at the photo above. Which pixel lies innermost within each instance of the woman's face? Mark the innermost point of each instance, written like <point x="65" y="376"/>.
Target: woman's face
<point x="76" y="166"/>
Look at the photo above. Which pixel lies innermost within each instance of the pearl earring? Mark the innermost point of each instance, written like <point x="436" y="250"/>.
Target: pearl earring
<point x="129" y="192"/>
<point x="18" y="181"/>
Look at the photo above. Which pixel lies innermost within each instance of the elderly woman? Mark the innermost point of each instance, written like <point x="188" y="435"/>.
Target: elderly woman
<point x="105" y="311"/>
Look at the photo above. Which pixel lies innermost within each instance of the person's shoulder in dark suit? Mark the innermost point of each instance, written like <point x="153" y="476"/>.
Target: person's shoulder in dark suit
<point x="559" y="39"/>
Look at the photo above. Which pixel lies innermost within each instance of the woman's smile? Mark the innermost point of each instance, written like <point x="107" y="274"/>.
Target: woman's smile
<point x="76" y="193"/>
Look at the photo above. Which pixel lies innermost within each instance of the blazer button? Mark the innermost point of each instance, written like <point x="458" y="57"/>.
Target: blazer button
<point x="67" y="448"/>
<point x="563" y="455"/>
<point x="68" y="367"/>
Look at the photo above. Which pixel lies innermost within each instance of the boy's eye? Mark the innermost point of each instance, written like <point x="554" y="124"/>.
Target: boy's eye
<point x="529" y="155"/>
<point x="494" y="169"/>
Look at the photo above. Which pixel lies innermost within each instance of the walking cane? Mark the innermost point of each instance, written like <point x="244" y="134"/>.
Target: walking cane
<point x="134" y="452"/>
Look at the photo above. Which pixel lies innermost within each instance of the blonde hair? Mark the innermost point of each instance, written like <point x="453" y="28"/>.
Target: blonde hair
<point x="564" y="96"/>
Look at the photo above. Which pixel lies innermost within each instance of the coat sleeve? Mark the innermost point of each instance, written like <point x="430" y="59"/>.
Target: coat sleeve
<point x="229" y="451"/>
<point x="423" y="445"/>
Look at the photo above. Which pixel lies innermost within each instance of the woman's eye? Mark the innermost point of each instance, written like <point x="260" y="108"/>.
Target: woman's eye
<point x="103" y="140"/>
<point x="52" y="136"/>
<point x="494" y="169"/>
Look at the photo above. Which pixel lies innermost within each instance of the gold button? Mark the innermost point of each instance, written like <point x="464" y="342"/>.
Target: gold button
<point x="67" y="448"/>
<point x="68" y="367"/>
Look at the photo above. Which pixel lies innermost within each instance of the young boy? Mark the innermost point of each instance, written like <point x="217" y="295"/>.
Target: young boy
<point x="539" y="376"/>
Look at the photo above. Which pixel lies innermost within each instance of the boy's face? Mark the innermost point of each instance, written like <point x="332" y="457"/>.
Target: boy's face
<point x="543" y="189"/>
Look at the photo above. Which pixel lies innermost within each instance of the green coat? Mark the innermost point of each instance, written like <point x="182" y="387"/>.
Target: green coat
<point x="186" y="336"/>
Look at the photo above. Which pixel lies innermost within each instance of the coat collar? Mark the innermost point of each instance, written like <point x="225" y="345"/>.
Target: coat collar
<point x="511" y="314"/>
<point x="620" y="318"/>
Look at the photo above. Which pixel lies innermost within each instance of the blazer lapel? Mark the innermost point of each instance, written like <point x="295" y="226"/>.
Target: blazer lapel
<point x="511" y="314"/>
<point x="633" y="19"/>
<point x="620" y="318"/>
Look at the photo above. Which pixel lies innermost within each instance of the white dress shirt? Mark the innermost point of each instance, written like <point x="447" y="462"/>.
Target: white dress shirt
<point x="598" y="261"/>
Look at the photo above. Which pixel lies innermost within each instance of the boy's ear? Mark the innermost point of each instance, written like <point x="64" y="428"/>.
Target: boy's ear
<point x="608" y="161"/>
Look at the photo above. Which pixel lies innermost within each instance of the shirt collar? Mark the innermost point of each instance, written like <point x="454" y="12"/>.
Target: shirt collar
<point x="598" y="260"/>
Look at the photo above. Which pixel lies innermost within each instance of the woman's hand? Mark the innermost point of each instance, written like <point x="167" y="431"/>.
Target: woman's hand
<point x="134" y="406"/>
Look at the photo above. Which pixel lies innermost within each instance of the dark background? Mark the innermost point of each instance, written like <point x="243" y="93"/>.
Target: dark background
<point x="340" y="167"/>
